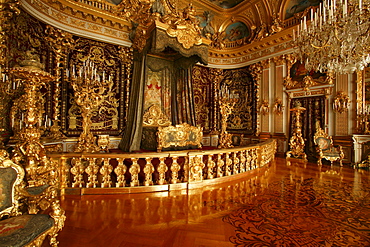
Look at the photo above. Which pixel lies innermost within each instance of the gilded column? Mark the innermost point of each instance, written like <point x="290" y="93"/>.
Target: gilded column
<point x="256" y="72"/>
<point x="216" y="78"/>
<point x="60" y="42"/>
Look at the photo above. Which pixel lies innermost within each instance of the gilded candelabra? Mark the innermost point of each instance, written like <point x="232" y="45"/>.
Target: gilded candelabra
<point x="297" y="142"/>
<point x="337" y="37"/>
<point x="29" y="151"/>
<point x="227" y="103"/>
<point x="89" y="87"/>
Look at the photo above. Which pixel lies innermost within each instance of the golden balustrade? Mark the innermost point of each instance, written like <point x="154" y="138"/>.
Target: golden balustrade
<point x="110" y="173"/>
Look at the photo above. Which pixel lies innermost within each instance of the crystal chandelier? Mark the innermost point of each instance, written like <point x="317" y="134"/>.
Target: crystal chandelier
<point x="336" y="39"/>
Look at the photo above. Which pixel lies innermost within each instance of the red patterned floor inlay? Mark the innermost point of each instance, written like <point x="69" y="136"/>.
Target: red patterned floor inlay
<point x="305" y="212"/>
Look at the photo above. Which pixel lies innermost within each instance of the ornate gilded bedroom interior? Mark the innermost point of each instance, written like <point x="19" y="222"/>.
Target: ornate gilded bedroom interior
<point x="184" y="123"/>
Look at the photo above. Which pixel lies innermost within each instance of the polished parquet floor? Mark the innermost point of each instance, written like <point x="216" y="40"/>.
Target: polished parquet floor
<point x="284" y="204"/>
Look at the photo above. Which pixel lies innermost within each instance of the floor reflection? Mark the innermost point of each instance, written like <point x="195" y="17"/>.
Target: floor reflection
<point x="284" y="204"/>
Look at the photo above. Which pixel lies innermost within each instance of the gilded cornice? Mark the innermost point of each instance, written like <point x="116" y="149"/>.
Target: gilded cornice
<point x="271" y="46"/>
<point x="80" y="19"/>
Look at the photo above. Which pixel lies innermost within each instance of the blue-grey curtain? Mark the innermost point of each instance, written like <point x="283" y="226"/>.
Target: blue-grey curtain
<point x="132" y="134"/>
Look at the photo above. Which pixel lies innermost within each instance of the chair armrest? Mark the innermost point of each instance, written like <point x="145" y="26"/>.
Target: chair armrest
<point x="36" y="190"/>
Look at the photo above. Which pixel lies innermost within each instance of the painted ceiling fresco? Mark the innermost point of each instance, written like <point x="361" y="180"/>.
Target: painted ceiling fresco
<point x="296" y="6"/>
<point x="226" y="4"/>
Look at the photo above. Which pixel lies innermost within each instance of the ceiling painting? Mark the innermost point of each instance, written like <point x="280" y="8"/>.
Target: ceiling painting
<point x="236" y="31"/>
<point x="226" y="4"/>
<point x="296" y="6"/>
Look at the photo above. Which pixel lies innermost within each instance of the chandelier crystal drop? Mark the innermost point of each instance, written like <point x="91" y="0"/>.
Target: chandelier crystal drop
<point x="336" y="38"/>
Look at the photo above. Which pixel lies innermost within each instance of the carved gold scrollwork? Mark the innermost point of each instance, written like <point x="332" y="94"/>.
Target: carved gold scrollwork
<point x="154" y="116"/>
<point x="185" y="27"/>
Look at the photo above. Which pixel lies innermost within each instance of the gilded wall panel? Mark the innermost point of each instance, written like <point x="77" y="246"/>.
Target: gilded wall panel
<point x="341" y="119"/>
<point x="279" y="128"/>
<point x="242" y="87"/>
<point x="111" y="63"/>
<point x="265" y="95"/>
<point x="202" y="96"/>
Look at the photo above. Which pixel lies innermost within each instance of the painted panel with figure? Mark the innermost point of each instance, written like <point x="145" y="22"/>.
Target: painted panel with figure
<point x="296" y="6"/>
<point x="236" y="31"/>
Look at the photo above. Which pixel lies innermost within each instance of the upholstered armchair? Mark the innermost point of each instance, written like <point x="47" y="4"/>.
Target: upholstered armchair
<point x="326" y="149"/>
<point x="27" y="214"/>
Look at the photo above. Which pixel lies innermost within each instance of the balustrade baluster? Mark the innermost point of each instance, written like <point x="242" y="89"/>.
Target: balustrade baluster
<point x="220" y="164"/>
<point x="242" y="161"/>
<point x="92" y="171"/>
<point x="175" y="168"/>
<point x="77" y="170"/>
<point x="229" y="162"/>
<point x="120" y="171"/>
<point x="210" y="166"/>
<point x="196" y="168"/>
<point x="248" y="166"/>
<point x="186" y="170"/>
<point x="254" y="158"/>
<point x="148" y="170"/>
<point x="134" y="171"/>
<point x="162" y="169"/>
<point x="106" y="171"/>
<point x="64" y="172"/>
<point x="235" y="163"/>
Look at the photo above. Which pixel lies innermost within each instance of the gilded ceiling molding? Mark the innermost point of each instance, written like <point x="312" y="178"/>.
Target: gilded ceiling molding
<point x="80" y="20"/>
<point x="265" y="64"/>
<point x="269" y="47"/>
<point x="279" y="60"/>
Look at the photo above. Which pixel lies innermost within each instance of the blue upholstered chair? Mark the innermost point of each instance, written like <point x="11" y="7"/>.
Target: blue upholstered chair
<point x="22" y="222"/>
<point x="326" y="149"/>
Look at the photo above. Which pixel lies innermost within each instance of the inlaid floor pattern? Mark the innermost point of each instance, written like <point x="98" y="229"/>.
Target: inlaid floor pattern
<point x="280" y="205"/>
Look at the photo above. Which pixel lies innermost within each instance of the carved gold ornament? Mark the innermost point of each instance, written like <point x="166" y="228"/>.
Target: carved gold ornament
<point x="264" y="108"/>
<point x="341" y="102"/>
<point x="278" y="106"/>
<point x="154" y="116"/>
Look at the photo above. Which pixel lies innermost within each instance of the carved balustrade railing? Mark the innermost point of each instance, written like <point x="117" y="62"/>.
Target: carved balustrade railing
<point x="105" y="173"/>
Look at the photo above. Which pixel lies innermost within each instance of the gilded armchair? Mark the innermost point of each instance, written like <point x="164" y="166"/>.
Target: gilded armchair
<point x="326" y="149"/>
<point x="23" y="217"/>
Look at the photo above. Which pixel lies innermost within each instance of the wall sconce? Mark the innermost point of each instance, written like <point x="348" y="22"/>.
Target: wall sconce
<point x="278" y="106"/>
<point x="341" y="102"/>
<point x="265" y="108"/>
